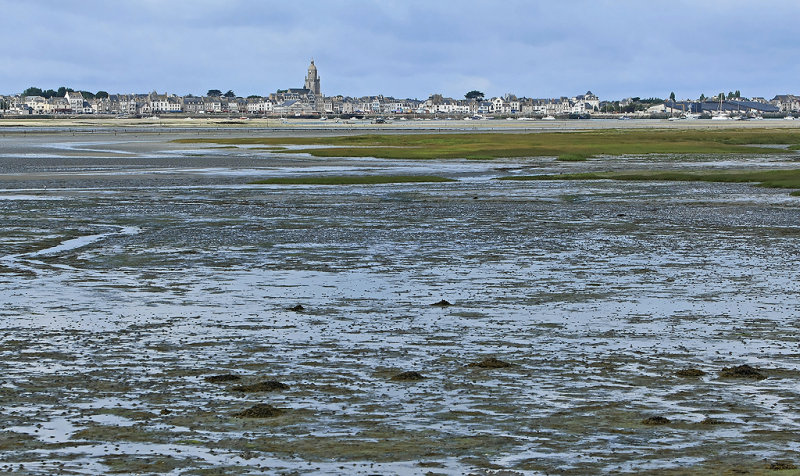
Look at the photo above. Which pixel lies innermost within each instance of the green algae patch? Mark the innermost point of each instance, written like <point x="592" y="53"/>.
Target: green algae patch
<point x="352" y="180"/>
<point x="572" y="145"/>
<point x="775" y="178"/>
<point x="573" y="157"/>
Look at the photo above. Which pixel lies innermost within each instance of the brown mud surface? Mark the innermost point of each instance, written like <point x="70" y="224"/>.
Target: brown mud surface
<point x="134" y="268"/>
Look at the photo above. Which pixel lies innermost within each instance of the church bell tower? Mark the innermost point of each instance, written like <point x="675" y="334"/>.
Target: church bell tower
<point x="312" y="80"/>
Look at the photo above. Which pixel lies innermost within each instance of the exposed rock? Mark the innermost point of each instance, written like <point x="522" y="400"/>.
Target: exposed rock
<point x="265" y="386"/>
<point x="408" y="376"/>
<point x="298" y="308"/>
<point x="655" y="420"/>
<point x="742" y="371"/>
<point x="442" y="303"/>
<point x="690" y="372"/>
<point x="490" y="363"/>
<point x="261" y="410"/>
<point x="221" y="378"/>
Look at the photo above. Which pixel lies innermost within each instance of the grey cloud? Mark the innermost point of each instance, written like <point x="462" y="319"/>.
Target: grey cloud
<point x="403" y="48"/>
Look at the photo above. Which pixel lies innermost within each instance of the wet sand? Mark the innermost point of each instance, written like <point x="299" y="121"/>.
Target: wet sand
<point x="133" y="269"/>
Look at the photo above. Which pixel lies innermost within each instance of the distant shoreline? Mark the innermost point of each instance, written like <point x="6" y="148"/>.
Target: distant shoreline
<point x="146" y="125"/>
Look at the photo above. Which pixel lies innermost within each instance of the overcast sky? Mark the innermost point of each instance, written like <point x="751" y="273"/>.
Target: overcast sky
<point x="404" y="48"/>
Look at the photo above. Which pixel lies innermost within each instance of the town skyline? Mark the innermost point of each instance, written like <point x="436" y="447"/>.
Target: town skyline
<point x="312" y="83"/>
<point x="404" y="49"/>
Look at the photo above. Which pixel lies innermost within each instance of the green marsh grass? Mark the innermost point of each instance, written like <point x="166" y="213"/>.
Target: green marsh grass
<point x="486" y="146"/>
<point x="572" y="157"/>
<point x="775" y="178"/>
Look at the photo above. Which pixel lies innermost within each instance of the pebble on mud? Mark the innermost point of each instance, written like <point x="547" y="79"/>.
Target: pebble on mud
<point x="408" y="376"/>
<point x="781" y="465"/>
<point x="261" y="410"/>
<point x="265" y="386"/>
<point x="442" y="303"/>
<point x="490" y="363"/>
<point x="298" y="308"/>
<point x="742" y="371"/>
<point x="690" y="372"/>
<point x="655" y="420"/>
<point x="221" y="378"/>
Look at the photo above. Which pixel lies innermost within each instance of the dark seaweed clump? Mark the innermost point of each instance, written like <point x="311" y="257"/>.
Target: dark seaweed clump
<point x="408" y="376"/>
<point x="265" y="386"/>
<point x="261" y="410"/>
<point x="742" y="371"/>
<point x="712" y="421"/>
<point x="690" y="373"/>
<point x="221" y="378"/>
<point x="781" y="465"/>
<point x="490" y="363"/>
<point x="655" y="420"/>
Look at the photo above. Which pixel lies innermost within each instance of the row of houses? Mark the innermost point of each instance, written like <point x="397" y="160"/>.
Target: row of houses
<point x="304" y="102"/>
<point x="289" y="102"/>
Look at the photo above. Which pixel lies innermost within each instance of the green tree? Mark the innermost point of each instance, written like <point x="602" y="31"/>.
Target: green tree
<point x="737" y="94"/>
<point x="101" y="95"/>
<point x="702" y="97"/>
<point x="474" y="94"/>
<point x="32" y="91"/>
<point x="214" y="93"/>
<point x="672" y="96"/>
<point x="48" y="93"/>
<point x="230" y="94"/>
<point x="87" y="94"/>
<point x="62" y="91"/>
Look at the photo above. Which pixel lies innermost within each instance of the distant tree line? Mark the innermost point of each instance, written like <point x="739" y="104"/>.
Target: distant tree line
<point x="722" y="96"/>
<point x="215" y="93"/>
<point x="61" y="92"/>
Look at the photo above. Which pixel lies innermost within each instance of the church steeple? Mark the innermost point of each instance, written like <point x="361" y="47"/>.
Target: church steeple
<point x="312" y="79"/>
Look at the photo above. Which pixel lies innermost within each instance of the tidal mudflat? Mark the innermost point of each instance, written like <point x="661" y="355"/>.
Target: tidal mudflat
<point x="161" y="314"/>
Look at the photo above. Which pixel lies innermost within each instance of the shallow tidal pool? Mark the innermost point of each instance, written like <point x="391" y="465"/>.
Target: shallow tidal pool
<point x="132" y="269"/>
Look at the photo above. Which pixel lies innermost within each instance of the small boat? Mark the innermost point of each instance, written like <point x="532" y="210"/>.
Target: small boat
<point x="548" y="118"/>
